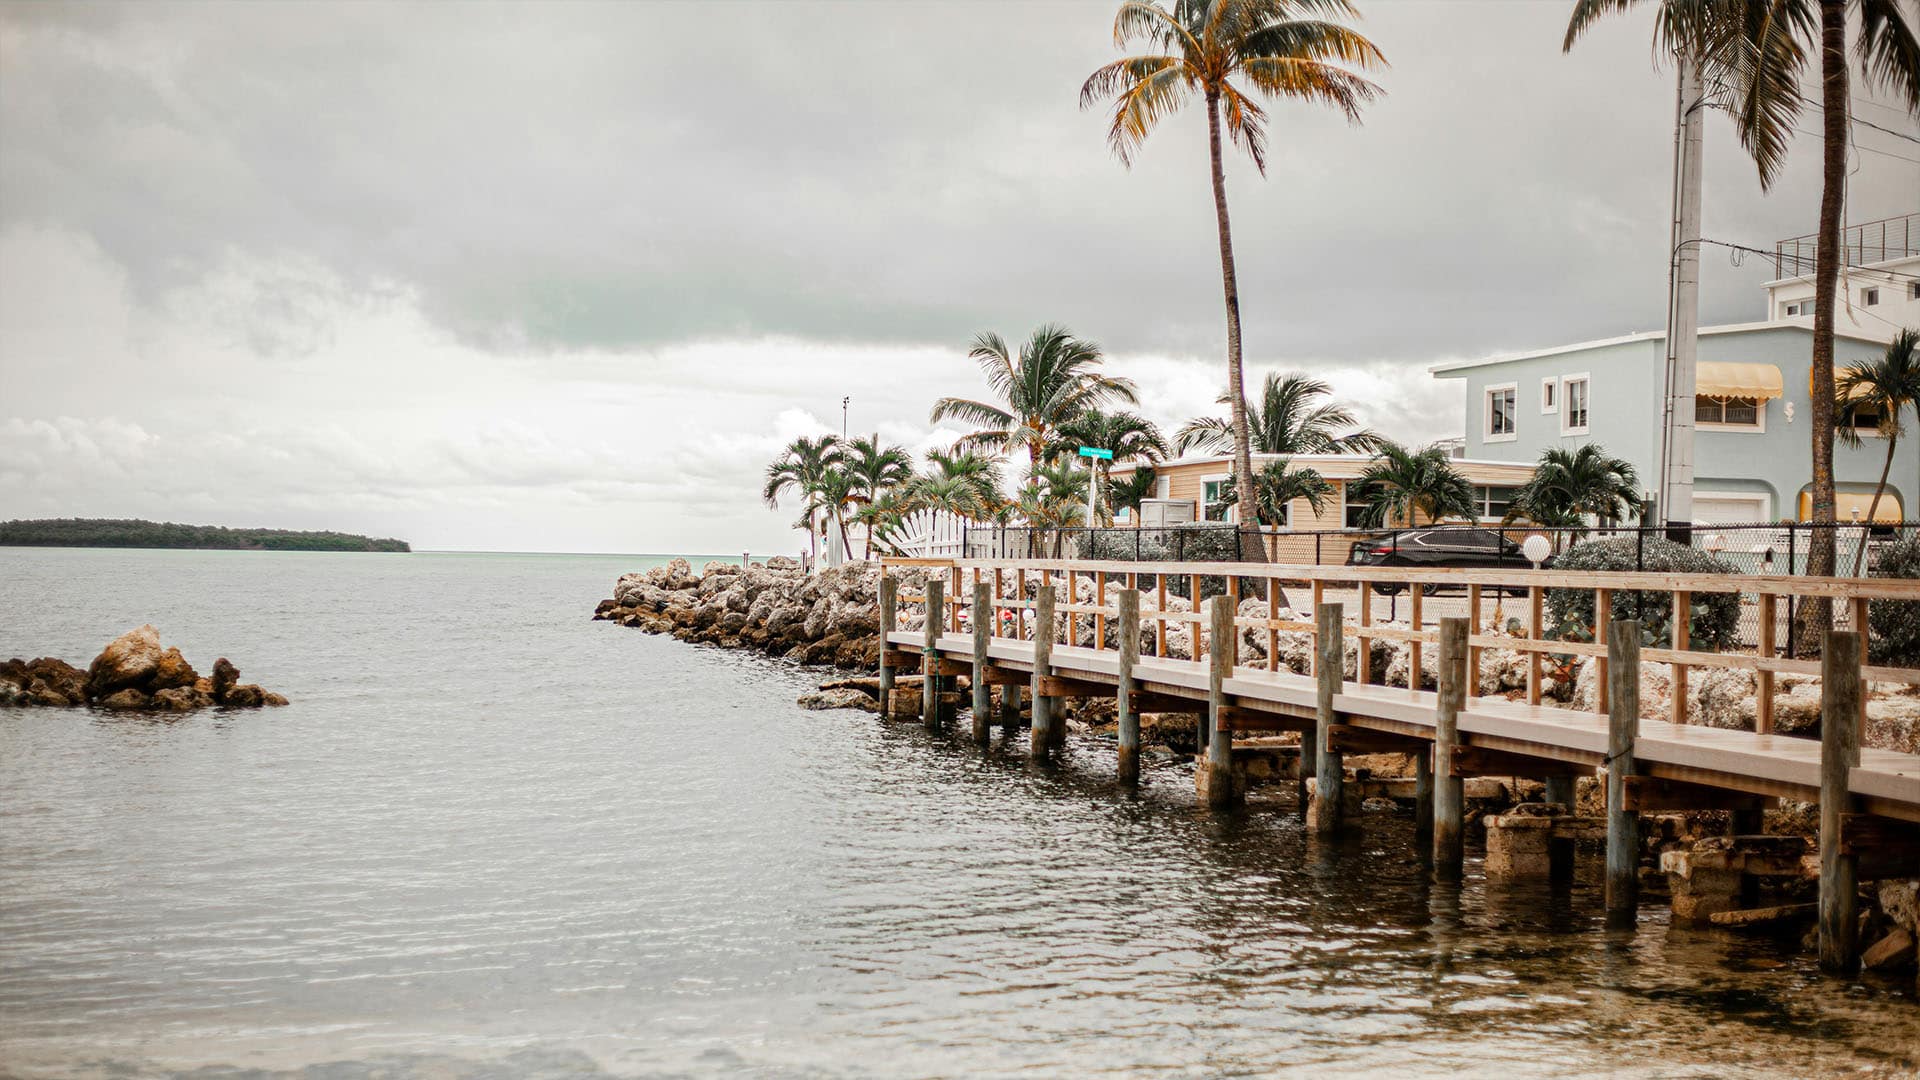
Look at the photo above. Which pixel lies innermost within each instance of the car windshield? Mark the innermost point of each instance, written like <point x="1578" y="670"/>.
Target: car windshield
<point x="1476" y="540"/>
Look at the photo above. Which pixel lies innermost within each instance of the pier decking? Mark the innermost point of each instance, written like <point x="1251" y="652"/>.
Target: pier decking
<point x="1060" y="649"/>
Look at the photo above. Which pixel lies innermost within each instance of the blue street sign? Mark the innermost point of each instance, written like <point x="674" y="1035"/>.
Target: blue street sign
<point x="1096" y="452"/>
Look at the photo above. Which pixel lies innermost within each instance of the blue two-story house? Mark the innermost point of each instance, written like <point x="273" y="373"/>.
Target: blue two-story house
<point x="1752" y="450"/>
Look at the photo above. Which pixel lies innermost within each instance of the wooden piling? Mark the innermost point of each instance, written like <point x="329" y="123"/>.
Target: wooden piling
<point x="1560" y="789"/>
<point x="1329" y="667"/>
<point x="1840" y="694"/>
<point x="1423" y="791"/>
<point x="930" y="653"/>
<point x="889" y="602"/>
<point x="1449" y="796"/>
<point x="1219" y="764"/>
<point x="1623" y="725"/>
<point x="1043" y="704"/>
<point x="982" y="634"/>
<point x="1128" y="627"/>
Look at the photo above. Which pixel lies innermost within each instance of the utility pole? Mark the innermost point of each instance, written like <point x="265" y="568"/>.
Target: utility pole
<point x="843" y="416"/>
<point x="1683" y="300"/>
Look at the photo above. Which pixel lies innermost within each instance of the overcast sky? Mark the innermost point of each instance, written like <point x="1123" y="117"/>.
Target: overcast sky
<point x="564" y="277"/>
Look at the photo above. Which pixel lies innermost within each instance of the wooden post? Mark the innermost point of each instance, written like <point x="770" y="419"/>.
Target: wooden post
<point x="1839" y="752"/>
<point x="1010" y="706"/>
<point x="1219" y="765"/>
<point x="1020" y="613"/>
<point x="1329" y="772"/>
<point x="1194" y="636"/>
<point x="982" y="634"/>
<point x="1363" y="641"/>
<point x="1560" y="789"/>
<point x="1536" y="612"/>
<point x="889" y="602"/>
<point x="930" y="653"/>
<point x="1129" y="628"/>
<point x="1043" y="718"/>
<point x="1473" y="652"/>
<point x="1414" y="615"/>
<point x="1623" y="725"/>
<point x="1602" y="617"/>
<point x="1160" y="615"/>
<point x="1763" y="689"/>
<point x="1860" y="627"/>
<point x="1682" y="639"/>
<point x="1100" y="618"/>
<point x="1423" y="791"/>
<point x="1449" y="796"/>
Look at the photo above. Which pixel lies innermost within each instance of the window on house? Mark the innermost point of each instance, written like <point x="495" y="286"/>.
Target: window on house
<point x="1500" y="411"/>
<point x="1574" y="417"/>
<point x="1796" y="307"/>
<point x="1733" y="412"/>
<point x="1865" y="420"/>
<point x="1869" y="297"/>
<point x="1210" y="491"/>
<point x="1353" y="515"/>
<point x="1549" y="395"/>
<point x="1913" y="291"/>
<point x="1494" y="501"/>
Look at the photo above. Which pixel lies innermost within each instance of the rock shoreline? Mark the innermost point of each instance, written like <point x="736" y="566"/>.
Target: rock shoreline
<point x="133" y="673"/>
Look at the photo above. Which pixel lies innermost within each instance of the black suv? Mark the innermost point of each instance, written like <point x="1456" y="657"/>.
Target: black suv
<point x="1438" y="547"/>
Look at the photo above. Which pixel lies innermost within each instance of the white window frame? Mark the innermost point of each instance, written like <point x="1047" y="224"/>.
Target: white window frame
<point x="1549" y="395"/>
<point x="1566" y="403"/>
<point x="1163" y="487"/>
<point x="1346" y="500"/>
<point x="1487" y="434"/>
<point x="1792" y="309"/>
<point x="1759" y="428"/>
<point x="1870" y="296"/>
<point x="1913" y="290"/>
<point x="1233" y="512"/>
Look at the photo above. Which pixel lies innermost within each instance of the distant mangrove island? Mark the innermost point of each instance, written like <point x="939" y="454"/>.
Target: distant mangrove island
<point x="133" y="533"/>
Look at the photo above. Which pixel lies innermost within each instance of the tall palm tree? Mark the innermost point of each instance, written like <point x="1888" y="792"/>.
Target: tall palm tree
<point x="1886" y="388"/>
<point x="1568" y="485"/>
<point x="1276" y="486"/>
<point x="802" y="468"/>
<point x="875" y="467"/>
<point x="1054" y="378"/>
<point x="1406" y="484"/>
<point x="839" y="490"/>
<point x="1127" y="436"/>
<point x="1759" y="50"/>
<point x="956" y="495"/>
<point x="977" y="470"/>
<point x="1290" y="419"/>
<point x="1212" y="48"/>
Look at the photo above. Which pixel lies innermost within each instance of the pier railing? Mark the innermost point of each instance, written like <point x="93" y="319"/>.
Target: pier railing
<point x="1492" y="601"/>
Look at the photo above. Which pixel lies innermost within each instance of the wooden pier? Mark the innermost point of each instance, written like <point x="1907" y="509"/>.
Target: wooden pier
<point x="1118" y="647"/>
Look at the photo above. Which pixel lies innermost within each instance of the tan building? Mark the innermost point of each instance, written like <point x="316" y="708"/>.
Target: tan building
<point x="1188" y="489"/>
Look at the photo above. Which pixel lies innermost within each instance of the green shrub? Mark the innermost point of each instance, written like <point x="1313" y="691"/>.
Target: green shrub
<point x="1893" y="626"/>
<point x="1197" y="542"/>
<point x="1716" y="616"/>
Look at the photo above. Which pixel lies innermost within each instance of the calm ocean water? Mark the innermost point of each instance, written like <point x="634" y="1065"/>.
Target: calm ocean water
<point x="491" y="838"/>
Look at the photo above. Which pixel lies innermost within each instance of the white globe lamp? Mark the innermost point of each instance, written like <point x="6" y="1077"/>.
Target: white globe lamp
<point x="1536" y="548"/>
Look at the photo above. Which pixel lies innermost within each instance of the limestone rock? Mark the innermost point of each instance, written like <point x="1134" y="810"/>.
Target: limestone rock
<point x="1890" y="953"/>
<point x="128" y="660"/>
<point x="841" y="698"/>
<point x="126" y="699"/>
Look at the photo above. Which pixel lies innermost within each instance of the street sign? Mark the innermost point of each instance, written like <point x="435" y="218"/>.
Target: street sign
<point x="1096" y="452"/>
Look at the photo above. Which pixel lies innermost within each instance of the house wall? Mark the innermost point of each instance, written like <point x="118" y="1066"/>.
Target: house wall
<point x="1898" y="306"/>
<point x="1625" y="417"/>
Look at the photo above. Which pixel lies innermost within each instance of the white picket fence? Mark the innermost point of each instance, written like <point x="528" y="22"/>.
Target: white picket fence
<point x="932" y="534"/>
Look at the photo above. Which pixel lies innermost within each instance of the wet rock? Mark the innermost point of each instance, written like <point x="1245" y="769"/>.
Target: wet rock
<point x="840" y="698"/>
<point x="126" y="699"/>
<point x="181" y="699"/>
<point x="42" y="681"/>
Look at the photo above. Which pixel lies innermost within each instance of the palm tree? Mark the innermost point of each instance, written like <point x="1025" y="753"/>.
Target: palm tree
<point x="1290" y="419"/>
<point x="1406" y="484"/>
<point x="882" y="517"/>
<point x="1569" y="485"/>
<point x="1886" y="388"/>
<point x="839" y="489"/>
<point x="1758" y="50"/>
<point x="1127" y="436"/>
<point x="1128" y="493"/>
<point x="1276" y="486"/>
<point x="1053" y="379"/>
<point x="1212" y="48"/>
<point x="956" y="495"/>
<point x="874" y="469"/>
<point x="802" y="468"/>
<point x="977" y="470"/>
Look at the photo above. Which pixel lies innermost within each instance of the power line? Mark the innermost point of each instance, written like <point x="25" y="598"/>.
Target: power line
<point x="1864" y="149"/>
<point x="1856" y="119"/>
<point x="1803" y="259"/>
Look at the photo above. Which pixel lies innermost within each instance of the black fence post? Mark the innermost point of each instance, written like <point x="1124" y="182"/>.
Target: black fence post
<point x="1793" y="534"/>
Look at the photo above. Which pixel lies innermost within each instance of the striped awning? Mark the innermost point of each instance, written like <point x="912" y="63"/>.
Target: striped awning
<point x="1722" y="379"/>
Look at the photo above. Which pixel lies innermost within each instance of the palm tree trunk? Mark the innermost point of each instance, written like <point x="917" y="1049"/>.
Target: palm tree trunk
<point x="1251" y="549"/>
<point x="1873" y="508"/>
<point x="1826" y="271"/>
